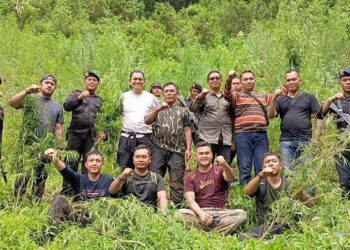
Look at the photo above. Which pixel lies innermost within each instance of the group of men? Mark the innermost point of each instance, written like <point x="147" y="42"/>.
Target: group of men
<point x="158" y="137"/>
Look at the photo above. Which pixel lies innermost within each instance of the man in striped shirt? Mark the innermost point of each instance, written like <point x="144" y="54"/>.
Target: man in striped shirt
<point x="250" y="125"/>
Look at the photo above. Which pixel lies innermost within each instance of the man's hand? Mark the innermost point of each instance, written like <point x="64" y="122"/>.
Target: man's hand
<point x="33" y="89"/>
<point x="266" y="171"/>
<point x="337" y="96"/>
<point x="84" y="94"/>
<point x="203" y="93"/>
<point x="127" y="172"/>
<point x="232" y="73"/>
<point x="277" y="93"/>
<point x="187" y="154"/>
<point x="163" y="106"/>
<point x="52" y="154"/>
<point x="101" y="137"/>
<point x="206" y="219"/>
<point x="220" y="160"/>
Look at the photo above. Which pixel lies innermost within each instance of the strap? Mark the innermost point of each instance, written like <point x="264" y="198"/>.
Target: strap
<point x="292" y="103"/>
<point x="262" y="106"/>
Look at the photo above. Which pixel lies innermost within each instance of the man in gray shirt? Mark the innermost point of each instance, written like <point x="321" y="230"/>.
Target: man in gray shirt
<point x="215" y="124"/>
<point x="42" y="115"/>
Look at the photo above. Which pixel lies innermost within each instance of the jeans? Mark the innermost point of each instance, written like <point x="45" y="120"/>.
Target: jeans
<point x="250" y="146"/>
<point x="291" y="151"/>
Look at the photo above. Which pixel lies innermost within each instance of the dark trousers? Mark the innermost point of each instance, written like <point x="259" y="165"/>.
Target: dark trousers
<point x="342" y="163"/>
<point x="259" y="231"/>
<point x="162" y="160"/>
<point x="81" y="144"/>
<point x="220" y="149"/>
<point x="40" y="176"/>
<point x="126" y="149"/>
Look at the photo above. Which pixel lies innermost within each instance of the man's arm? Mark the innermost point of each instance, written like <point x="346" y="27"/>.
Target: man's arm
<point x="117" y="183"/>
<point x="271" y="109"/>
<point x="198" y="102"/>
<point x="193" y="205"/>
<point x="16" y="100"/>
<point x="151" y="116"/>
<point x="163" y="201"/>
<point x="229" y="174"/>
<point x="188" y="142"/>
<point x="74" y="100"/>
<point x="55" y="157"/>
<point x="58" y="130"/>
<point x="327" y="103"/>
<point x="253" y="184"/>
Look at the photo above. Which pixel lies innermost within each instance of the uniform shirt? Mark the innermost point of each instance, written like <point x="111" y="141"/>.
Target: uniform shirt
<point x="197" y="115"/>
<point x="169" y="129"/>
<point x="345" y="106"/>
<point x="144" y="188"/>
<point x="249" y="115"/>
<point x="210" y="189"/>
<point x="296" y="118"/>
<point x="84" y="188"/>
<point x="215" y="118"/>
<point x="83" y="111"/>
<point x="135" y="108"/>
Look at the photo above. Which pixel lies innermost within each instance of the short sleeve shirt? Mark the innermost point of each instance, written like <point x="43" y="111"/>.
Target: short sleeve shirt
<point x="296" y="117"/>
<point x="135" y="108"/>
<point x="169" y="128"/>
<point x="211" y="189"/>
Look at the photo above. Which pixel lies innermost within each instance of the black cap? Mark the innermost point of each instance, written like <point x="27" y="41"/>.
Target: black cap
<point x="49" y="77"/>
<point x="156" y="84"/>
<point x="345" y="72"/>
<point x="92" y="73"/>
<point x="196" y="86"/>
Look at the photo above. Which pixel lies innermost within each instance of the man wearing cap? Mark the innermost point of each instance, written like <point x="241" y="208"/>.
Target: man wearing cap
<point x="339" y="104"/>
<point x="295" y="109"/>
<point x="137" y="103"/>
<point x="42" y="115"/>
<point x="156" y="89"/>
<point x="81" y="134"/>
<point x="195" y="90"/>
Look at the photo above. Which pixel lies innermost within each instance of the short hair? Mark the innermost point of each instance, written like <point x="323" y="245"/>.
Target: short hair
<point x="213" y="71"/>
<point x="171" y="84"/>
<point x="272" y="154"/>
<point x="142" y="146"/>
<point x="136" y="71"/>
<point x="245" y="72"/>
<point x="292" y="70"/>
<point x="94" y="152"/>
<point x="202" y="144"/>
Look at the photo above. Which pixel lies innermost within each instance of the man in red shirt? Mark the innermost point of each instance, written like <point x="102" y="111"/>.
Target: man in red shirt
<point x="206" y="192"/>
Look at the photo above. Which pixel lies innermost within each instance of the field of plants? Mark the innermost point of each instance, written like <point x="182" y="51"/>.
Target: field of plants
<point x="171" y="41"/>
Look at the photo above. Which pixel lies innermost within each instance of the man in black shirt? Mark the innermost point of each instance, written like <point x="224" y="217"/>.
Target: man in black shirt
<point x="295" y="109"/>
<point x="81" y="133"/>
<point x="337" y="104"/>
<point x="146" y="185"/>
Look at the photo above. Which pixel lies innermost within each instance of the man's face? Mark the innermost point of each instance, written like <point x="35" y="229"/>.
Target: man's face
<point x="169" y="94"/>
<point x="292" y="81"/>
<point x="273" y="162"/>
<point x="94" y="164"/>
<point x="204" y="156"/>
<point x="248" y="81"/>
<point x="48" y="87"/>
<point x="194" y="93"/>
<point x="137" y="82"/>
<point x="236" y="85"/>
<point x="345" y="84"/>
<point x="142" y="159"/>
<point x="157" y="91"/>
<point x="214" y="81"/>
<point x="91" y="84"/>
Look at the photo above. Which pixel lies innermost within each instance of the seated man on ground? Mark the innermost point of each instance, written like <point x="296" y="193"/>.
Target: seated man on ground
<point x="87" y="186"/>
<point x="267" y="187"/>
<point x="146" y="185"/>
<point x="206" y="191"/>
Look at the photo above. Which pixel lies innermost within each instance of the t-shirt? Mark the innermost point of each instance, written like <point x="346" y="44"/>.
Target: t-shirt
<point x="84" y="188"/>
<point x="169" y="129"/>
<point x="144" y="188"/>
<point x="210" y="189"/>
<point x="249" y="115"/>
<point x="265" y="195"/>
<point x="296" y="118"/>
<point x="135" y="108"/>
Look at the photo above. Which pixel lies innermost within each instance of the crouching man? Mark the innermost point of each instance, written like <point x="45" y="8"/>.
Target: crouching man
<point x="87" y="186"/>
<point x="206" y="191"/>
<point x="147" y="186"/>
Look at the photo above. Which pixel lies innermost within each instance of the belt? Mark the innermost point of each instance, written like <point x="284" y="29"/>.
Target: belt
<point x="132" y="135"/>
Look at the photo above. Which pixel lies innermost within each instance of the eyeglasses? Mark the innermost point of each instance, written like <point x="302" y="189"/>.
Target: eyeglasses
<point x="214" y="78"/>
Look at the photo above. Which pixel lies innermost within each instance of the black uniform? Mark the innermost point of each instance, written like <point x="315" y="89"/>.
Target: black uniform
<point x="81" y="133"/>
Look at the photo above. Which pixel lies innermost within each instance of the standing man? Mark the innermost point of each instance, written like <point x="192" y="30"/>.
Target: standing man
<point x="42" y="115"/>
<point x="137" y="103"/>
<point x="81" y="133"/>
<point x="156" y="89"/>
<point x="207" y="191"/>
<point x="147" y="186"/>
<point x="295" y="110"/>
<point x="339" y="104"/>
<point x="172" y="137"/>
<point x="215" y="124"/>
<point x="195" y="90"/>
<point x="251" y="122"/>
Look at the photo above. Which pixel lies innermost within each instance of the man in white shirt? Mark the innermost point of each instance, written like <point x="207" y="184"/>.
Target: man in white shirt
<point x="137" y="103"/>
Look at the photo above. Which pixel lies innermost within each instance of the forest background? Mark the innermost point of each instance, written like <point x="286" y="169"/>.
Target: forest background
<point x="178" y="40"/>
